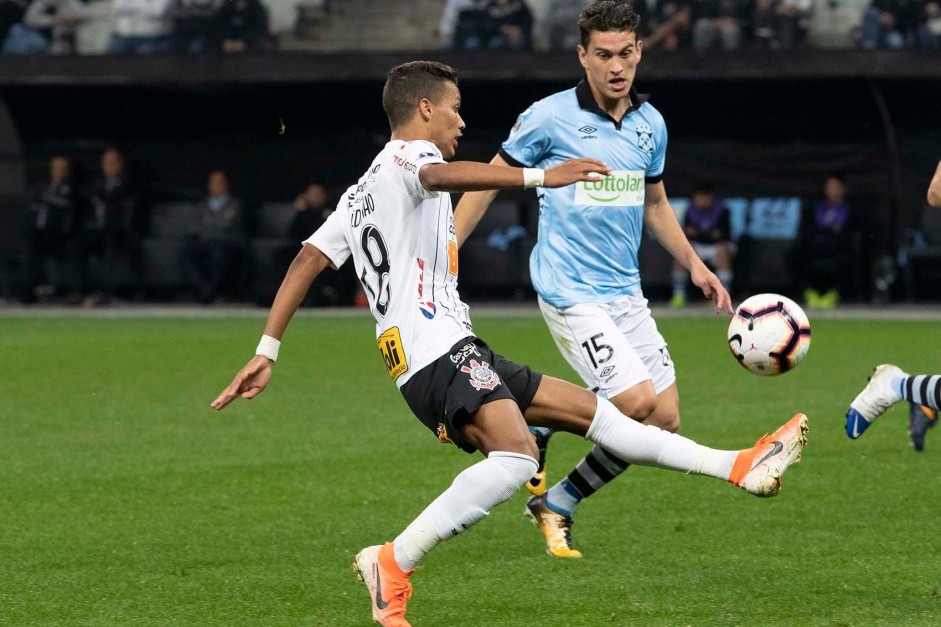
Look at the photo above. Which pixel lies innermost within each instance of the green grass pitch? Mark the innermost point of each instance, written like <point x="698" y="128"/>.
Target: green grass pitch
<point x="124" y="500"/>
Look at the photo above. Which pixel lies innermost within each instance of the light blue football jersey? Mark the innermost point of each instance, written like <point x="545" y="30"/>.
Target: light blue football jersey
<point x="589" y="233"/>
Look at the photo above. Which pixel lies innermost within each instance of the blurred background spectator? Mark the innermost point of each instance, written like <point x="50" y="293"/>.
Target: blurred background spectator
<point x="17" y="38"/>
<point x="827" y="256"/>
<point x="449" y="20"/>
<point x="193" y="24"/>
<point x="57" y="21"/>
<point x="494" y="25"/>
<point x="312" y="208"/>
<point x="670" y="25"/>
<point x="891" y="23"/>
<point x="210" y="256"/>
<point x="782" y="23"/>
<point x="311" y="211"/>
<point x="929" y="31"/>
<point x="47" y="226"/>
<point x="142" y="27"/>
<point x="720" y="23"/>
<point x="557" y="25"/>
<point x="11" y="13"/>
<point x="105" y="252"/>
<point x="240" y="26"/>
<point x="708" y="227"/>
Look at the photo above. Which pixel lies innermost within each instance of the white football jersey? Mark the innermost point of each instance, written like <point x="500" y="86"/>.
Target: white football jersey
<point x="402" y="240"/>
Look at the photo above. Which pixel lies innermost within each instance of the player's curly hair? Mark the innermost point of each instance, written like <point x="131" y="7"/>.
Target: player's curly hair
<point x="408" y="83"/>
<point x="607" y="15"/>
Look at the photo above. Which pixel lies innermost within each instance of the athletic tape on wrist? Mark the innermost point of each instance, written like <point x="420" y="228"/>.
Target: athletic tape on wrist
<point x="268" y="346"/>
<point x="533" y="177"/>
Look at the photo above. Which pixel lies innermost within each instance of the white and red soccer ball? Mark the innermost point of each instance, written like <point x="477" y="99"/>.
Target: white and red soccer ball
<point x="769" y="334"/>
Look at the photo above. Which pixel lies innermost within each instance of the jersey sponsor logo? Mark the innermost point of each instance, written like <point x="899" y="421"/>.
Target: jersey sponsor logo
<point x="393" y="353"/>
<point x="427" y="309"/>
<point x="481" y="376"/>
<point x="622" y="188"/>
<point x="464" y="353"/>
<point x="405" y="164"/>
<point x="644" y="137"/>
<point x="428" y="155"/>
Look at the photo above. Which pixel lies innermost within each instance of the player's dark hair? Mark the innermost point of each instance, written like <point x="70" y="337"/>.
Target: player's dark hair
<point x="607" y="15"/>
<point x="408" y="83"/>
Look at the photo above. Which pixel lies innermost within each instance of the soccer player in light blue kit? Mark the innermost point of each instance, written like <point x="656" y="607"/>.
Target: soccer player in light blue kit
<point x="584" y="266"/>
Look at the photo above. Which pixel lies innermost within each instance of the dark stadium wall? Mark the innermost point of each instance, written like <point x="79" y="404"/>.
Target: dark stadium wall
<point x="765" y="125"/>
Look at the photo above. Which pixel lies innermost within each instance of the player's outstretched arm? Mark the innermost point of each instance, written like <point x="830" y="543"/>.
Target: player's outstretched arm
<point x="661" y="220"/>
<point x="471" y="208"/>
<point x="472" y="176"/>
<point x="253" y="378"/>
<point x="934" y="189"/>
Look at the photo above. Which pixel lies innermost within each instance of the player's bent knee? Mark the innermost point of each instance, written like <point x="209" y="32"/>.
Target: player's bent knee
<point x="668" y="422"/>
<point x="637" y="406"/>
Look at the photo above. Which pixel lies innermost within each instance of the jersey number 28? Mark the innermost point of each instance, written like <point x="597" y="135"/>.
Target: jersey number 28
<point x="377" y="255"/>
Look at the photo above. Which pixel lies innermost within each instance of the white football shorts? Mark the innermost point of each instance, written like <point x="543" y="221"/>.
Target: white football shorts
<point x="613" y="346"/>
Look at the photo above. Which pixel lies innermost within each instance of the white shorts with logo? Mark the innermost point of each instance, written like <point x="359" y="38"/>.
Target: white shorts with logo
<point x="613" y="346"/>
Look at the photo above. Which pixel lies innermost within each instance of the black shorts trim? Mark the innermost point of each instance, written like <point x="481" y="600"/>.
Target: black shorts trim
<point x="445" y="392"/>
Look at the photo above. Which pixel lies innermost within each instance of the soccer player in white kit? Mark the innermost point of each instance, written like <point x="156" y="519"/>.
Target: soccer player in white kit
<point x="396" y="224"/>
<point x="584" y="266"/>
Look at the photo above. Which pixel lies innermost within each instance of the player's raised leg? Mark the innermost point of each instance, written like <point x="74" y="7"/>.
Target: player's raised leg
<point x="889" y="385"/>
<point x="757" y="469"/>
<point x="498" y="430"/>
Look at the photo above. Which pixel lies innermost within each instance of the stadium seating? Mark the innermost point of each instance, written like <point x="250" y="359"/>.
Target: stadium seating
<point x="270" y="250"/>
<point x="170" y="223"/>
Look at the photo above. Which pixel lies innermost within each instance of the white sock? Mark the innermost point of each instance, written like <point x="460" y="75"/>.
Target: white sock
<point x="471" y="496"/>
<point x="650" y="446"/>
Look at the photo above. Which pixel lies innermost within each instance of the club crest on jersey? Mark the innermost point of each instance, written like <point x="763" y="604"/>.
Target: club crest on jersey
<point x="644" y="137"/>
<point x="481" y="376"/>
<point x="427" y="309"/>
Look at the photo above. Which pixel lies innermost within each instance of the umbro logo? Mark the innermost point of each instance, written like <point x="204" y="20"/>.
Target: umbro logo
<point x="588" y="130"/>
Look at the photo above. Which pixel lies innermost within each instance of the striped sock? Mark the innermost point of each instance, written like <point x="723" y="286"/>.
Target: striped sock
<point x="596" y="470"/>
<point x="923" y="389"/>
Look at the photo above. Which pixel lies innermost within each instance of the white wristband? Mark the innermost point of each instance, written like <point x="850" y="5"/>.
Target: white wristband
<point x="268" y="346"/>
<point x="533" y="177"/>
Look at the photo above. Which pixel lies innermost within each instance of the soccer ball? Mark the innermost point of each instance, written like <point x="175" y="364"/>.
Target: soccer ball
<point x="769" y="334"/>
